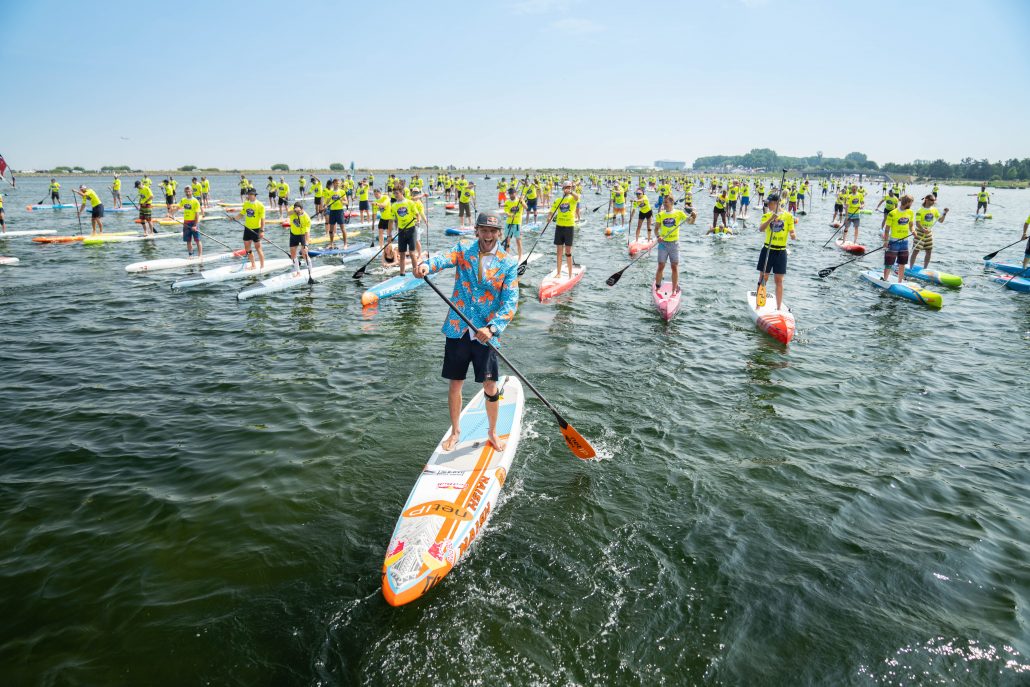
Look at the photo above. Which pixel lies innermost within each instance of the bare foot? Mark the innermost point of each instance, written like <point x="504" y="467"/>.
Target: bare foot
<point x="450" y="442"/>
<point x="495" y="441"/>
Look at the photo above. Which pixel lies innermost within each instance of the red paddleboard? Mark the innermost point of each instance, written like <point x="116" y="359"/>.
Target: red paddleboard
<point x="639" y="246"/>
<point x="849" y="247"/>
<point x="779" y="324"/>
<point x="551" y="285"/>
<point x="665" y="301"/>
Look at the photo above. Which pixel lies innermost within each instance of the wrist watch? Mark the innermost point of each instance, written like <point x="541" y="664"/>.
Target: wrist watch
<point x="493" y="329"/>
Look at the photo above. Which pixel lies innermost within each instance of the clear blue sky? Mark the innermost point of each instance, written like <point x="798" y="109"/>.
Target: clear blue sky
<point x="519" y="82"/>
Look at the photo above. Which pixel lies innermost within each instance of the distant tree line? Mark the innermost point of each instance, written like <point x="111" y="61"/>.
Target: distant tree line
<point x="768" y="159"/>
<point x="968" y="168"/>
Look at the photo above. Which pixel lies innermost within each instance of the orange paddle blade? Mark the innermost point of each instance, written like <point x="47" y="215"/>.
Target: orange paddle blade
<point x="579" y="446"/>
<point x="760" y="296"/>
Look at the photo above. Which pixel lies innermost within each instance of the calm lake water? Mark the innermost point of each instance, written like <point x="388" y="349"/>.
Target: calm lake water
<point x="199" y="491"/>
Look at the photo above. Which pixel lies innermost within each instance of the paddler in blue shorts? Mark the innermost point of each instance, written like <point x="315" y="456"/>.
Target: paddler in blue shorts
<point x="486" y="287"/>
<point x="773" y="258"/>
<point x="667" y="227"/>
<point x="191" y="213"/>
<point x="513" y="209"/>
<point x="900" y="222"/>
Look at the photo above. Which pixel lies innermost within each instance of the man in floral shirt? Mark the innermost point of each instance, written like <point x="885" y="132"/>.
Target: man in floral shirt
<point x="486" y="289"/>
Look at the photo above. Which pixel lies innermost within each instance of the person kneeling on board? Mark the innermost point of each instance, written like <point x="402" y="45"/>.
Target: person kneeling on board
<point x="486" y="285"/>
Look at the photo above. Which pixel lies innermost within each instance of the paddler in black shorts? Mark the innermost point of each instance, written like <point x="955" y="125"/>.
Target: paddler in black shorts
<point x="486" y="282"/>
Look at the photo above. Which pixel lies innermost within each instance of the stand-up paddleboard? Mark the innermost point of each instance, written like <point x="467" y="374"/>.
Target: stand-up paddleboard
<point x="1012" y="281"/>
<point x="909" y="290"/>
<point x="101" y="239"/>
<point x="665" y="301"/>
<point x="552" y="284"/>
<point x="850" y="247"/>
<point x="220" y="274"/>
<point x="178" y="263"/>
<point x="351" y="252"/>
<point x="79" y="237"/>
<point x="392" y="287"/>
<point x="779" y="324"/>
<point x="932" y="276"/>
<point x="319" y="240"/>
<point x="640" y="246"/>
<point x="287" y="280"/>
<point x="452" y="501"/>
<point x="59" y="206"/>
<point x="35" y="232"/>
<point x="8" y="261"/>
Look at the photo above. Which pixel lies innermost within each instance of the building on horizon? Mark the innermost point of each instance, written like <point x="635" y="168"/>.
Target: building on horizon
<point x="670" y="165"/>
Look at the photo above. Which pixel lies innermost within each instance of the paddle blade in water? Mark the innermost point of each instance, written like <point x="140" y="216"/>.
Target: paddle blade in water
<point x="522" y="268"/>
<point x="614" y="279"/>
<point x="825" y="272"/>
<point x="579" y="446"/>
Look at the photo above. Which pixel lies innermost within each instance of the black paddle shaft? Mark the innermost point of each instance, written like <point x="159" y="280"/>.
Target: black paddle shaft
<point x="467" y="321"/>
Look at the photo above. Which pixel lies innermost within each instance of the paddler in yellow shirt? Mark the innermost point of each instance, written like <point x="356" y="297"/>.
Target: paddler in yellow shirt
<point x="773" y="258"/>
<point x="364" y="207"/>
<point x="667" y="228"/>
<point x="853" y="203"/>
<point x="645" y="211"/>
<point x="895" y="238"/>
<point x="96" y="217"/>
<point x="317" y="193"/>
<point x="282" y="192"/>
<point x="926" y="217"/>
<point x="300" y="230"/>
<point x="253" y="215"/>
<point x="618" y="204"/>
<point x="116" y="192"/>
<point x="191" y="214"/>
<point x="382" y="206"/>
<point x="513" y="210"/>
<point x="146" y="208"/>
<point x="564" y="213"/>
<point x="335" y="199"/>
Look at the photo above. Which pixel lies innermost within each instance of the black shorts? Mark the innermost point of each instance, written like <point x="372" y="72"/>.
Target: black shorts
<point x="363" y="205"/>
<point x="284" y="201"/>
<point x="97" y="212"/>
<point x="318" y="203"/>
<point x="272" y="197"/>
<point x="720" y="211"/>
<point x="837" y="207"/>
<point x="298" y="239"/>
<point x="54" y="195"/>
<point x="645" y="215"/>
<point x="531" y="203"/>
<point x="458" y="353"/>
<point x="336" y="216"/>
<point x="406" y="240"/>
<point x="384" y="224"/>
<point x="251" y="235"/>
<point x="777" y="261"/>
<point x="563" y="236"/>
<point x="733" y="205"/>
<point x="169" y="200"/>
